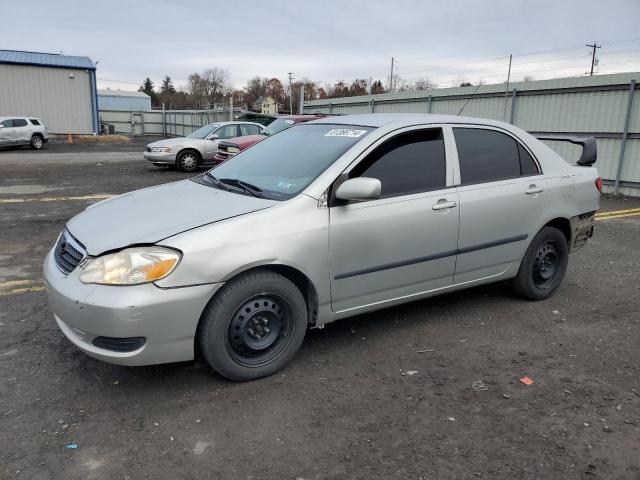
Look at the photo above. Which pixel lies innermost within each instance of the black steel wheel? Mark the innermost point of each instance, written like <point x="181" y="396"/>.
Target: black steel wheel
<point x="253" y="326"/>
<point x="543" y="265"/>
<point x="259" y="330"/>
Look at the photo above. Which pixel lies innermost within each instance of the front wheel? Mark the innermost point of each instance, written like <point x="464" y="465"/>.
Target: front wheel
<point x="254" y="326"/>
<point x="188" y="161"/>
<point x="543" y="266"/>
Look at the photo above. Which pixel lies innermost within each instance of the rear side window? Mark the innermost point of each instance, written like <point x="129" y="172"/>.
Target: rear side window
<point x="488" y="155"/>
<point x="34" y="121"/>
<point x="527" y="163"/>
<point x="408" y="163"/>
<point x="19" y="122"/>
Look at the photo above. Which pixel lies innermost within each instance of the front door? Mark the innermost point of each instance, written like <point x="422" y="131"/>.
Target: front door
<point x="7" y="132"/>
<point x="502" y="197"/>
<point x="403" y="243"/>
<point x="222" y="133"/>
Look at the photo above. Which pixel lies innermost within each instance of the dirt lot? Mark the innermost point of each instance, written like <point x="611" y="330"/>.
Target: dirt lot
<point x="346" y="407"/>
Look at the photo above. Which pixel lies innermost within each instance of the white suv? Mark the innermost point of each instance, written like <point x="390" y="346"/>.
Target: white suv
<point x="23" y="131"/>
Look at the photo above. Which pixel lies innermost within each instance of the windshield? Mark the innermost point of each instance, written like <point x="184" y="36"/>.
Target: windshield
<point x="203" y="132"/>
<point x="278" y="125"/>
<point x="283" y="165"/>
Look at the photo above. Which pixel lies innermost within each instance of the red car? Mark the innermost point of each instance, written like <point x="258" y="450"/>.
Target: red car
<point x="232" y="146"/>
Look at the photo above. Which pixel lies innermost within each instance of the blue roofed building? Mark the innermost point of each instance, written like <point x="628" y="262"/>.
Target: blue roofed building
<point x="58" y="89"/>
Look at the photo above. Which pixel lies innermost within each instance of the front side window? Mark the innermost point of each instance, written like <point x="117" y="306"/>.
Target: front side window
<point x="285" y="164"/>
<point x="408" y="163"/>
<point x="487" y="156"/>
<point x="19" y="122"/>
<point x="7" y="123"/>
<point x="227" y="131"/>
<point x="248" y="129"/>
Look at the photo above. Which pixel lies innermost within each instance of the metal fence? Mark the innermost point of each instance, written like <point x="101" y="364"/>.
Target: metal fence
<point x="604" y="106"/>
<point x="162" y="122"/>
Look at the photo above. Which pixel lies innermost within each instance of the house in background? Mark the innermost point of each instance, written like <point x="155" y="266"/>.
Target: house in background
<point x="123" y="100"/>
<point x="58" y="89"/>
<point x="266" y="105"/>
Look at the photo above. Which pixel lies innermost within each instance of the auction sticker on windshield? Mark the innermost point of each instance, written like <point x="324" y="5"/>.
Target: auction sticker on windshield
<point x="345" y="132"/>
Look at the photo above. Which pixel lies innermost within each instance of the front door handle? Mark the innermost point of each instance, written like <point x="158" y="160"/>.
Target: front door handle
<point x="443" y="205"/>
<point x="533" y="189"/>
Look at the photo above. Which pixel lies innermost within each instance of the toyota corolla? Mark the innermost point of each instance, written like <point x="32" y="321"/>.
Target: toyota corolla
<point x="325" y="220"/>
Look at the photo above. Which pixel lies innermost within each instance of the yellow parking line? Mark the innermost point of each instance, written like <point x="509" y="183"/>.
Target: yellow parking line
<point x="616" y="212"/>
<point x="619" y="216"/>
<point x="101" y="196"/>
<point x="17" y="291"/>
<point x="24" y="286"/>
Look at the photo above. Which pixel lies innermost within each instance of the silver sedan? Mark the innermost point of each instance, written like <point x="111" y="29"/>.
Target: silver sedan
<point x="326" y="220"/>
<point x="198" y="148"/>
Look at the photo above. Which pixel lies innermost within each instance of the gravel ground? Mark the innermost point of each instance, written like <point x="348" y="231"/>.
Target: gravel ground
<point x="347" y="406"/>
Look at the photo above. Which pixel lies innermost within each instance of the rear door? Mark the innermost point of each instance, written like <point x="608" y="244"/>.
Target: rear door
<point x="403" y="243"/>
<point x="22" y="130"/>
<point x="502" y="196"/>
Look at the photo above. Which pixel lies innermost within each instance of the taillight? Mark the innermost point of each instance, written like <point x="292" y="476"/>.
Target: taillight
<point x="599" y="184"/>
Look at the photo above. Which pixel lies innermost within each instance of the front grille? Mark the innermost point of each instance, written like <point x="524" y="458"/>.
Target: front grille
<point x="68" y="252"/>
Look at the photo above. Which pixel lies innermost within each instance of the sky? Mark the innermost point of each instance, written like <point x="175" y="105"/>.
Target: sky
<point x="326" y="41"/>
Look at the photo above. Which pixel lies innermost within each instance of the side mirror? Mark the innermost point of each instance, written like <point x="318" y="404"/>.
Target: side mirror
<point x="214" y="137"/>
<point x="1" y="126"/>
<point x="361" y="188"/>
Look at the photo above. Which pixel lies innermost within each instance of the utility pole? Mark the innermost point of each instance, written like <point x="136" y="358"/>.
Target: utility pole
<point x="391" y="77"/>
<point x="290" y="94"/>
<point x="593" y="55"/>
<point x="506" y="90"/>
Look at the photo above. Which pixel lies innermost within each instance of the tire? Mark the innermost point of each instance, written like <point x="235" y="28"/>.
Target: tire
<point x="188" y="161"/>
<point x="253" y="326"/>
<point x="37" y="142"/>
<point x="543" y="266"/>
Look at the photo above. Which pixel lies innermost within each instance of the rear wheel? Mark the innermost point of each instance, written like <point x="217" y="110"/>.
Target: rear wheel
<point x="188" y="161"/>
<point x="37" y="142"/>
<point x="254" y="326"/>
<point x="543" y="266"/>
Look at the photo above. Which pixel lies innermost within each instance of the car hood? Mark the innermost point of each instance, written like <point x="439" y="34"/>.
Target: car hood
<point x="247" y="140"/>
<point x="169" y="142"/>
<point x="153" y="214"/>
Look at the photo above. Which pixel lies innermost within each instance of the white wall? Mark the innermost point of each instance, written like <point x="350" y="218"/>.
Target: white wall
<point x="61" y="97"/>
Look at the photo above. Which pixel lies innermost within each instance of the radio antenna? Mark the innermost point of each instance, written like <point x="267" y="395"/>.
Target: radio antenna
<point x="470" y="97"/>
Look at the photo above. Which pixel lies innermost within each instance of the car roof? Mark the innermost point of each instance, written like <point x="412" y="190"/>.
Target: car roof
<point x="6" y="117"/>
<point x="401" y="119"/>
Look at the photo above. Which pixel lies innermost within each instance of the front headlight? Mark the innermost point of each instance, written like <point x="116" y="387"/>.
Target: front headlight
<point x="131" y="266"/>
<point x="233" y="149"/>
<point x="160" y="149"/>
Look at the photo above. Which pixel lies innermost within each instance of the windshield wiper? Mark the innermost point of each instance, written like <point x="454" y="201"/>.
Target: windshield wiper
<point x="245" y="186"/>
<point x="216" y="182"/>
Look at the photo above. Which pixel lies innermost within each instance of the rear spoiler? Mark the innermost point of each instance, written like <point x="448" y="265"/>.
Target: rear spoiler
<point x="588" y="144"/>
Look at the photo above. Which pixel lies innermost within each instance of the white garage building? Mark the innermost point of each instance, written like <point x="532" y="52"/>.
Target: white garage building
<point x="59" y="89"/>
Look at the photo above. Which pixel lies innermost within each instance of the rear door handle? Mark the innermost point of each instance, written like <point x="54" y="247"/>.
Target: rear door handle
<point x="443" y="205"/>
<point x="533" y="189"/>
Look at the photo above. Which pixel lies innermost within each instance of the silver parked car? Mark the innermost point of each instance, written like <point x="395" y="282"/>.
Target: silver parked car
<point x="18" y="131"/>
<point x="198" y="148"/>
<point x="325" y="220"/>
